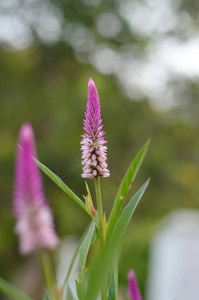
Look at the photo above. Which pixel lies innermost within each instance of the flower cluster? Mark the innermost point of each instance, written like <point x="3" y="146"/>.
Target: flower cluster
<point x="34" y="226"/>
<point x="93" y="143"/>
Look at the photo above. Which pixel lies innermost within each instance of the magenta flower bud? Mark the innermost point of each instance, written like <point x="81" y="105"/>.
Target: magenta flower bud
<point x="133" y="288"/>
<point x="93" y="143"/>
<point x="35" y="226"/>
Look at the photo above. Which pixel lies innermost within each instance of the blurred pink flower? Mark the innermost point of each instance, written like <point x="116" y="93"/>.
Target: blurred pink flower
<point x="93" y="148"/>
<point x="34" y="226"/>
<point x="133" y="288"/>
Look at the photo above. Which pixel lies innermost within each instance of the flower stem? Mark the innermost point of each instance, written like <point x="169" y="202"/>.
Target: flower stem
<point x="101" y="231"/>
<point x="99" y="210"/>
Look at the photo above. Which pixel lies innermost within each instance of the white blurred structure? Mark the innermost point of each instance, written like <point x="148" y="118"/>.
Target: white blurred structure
<point x="174" y="260"/>
<point x="63" y="259"/>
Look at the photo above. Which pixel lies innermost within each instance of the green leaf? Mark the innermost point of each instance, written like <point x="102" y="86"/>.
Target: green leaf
<point x="84" y="248"/>
<point x="94" y="237"/>
<point x="103" y="264"/>
<point x="89" y="204"/>
<point x="46" y="297"/>
<point x="113" y="287"/>
<point x="61" y="184"/>
<point x="10" y="291"/>
<point x="69" y="294"/>
<point x="124" y="187"/>
<point x="80" y="285"/>
<point x="90" y="238"/>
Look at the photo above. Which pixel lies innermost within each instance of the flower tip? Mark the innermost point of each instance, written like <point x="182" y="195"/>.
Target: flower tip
<point x="131" y="275"/>
<point x="90" y="80"/>
<point x="91" y="83"/>
<point x="133" y="288"/>
<point x="26" y="131"/>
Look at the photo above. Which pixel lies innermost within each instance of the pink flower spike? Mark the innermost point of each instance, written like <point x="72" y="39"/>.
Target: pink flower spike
<point x="34" y="226"/>
<point x="133" y="288"/>
<point x="92" y="145"/>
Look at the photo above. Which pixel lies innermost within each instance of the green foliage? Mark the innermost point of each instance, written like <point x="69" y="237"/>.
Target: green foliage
<point x="90" y="238"/>
<point x="124" y="187"/>
<point x="87" y="242"/>
<point x="46" y="297"/>
<point x="80" y="285"/>
<point x="113" y="286"/>
<point x="83" y="248"/>
<point x="61" y="184"/>
<point x="104" y="262"/>
<point x="10" y="291"/>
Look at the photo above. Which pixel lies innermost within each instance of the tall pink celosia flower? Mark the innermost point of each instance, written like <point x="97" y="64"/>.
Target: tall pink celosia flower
<point x="133" y="288"/>
<point x="93" y="148"/>
<point x="35" y="226"/>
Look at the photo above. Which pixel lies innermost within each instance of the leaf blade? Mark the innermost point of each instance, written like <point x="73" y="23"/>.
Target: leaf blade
<point x="86" y="243"/>
<point x="46" y="297"/>
<point x="104" y="262"/>
<point x="113" y="287"/>
<point x="10" y="291"/>
<point x="57" y="180"/>
<point x="89" y="239"/>
<point x="77" y="252"/>
<point x="124" y="186"/>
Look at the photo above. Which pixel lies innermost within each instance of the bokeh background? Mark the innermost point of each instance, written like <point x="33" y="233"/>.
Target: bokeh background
<point x="143" y="57"/>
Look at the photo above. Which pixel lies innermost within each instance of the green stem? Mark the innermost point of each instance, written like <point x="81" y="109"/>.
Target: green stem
<point x="101" y="231"/>
<point x="99" y="210"/>
<point x="48" y="274"/>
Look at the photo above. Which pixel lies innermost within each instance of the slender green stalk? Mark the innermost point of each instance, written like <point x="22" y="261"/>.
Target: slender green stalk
<point x="48" y="274"/>
<point x="99" y="210"/>
<point x="101" y="231"/>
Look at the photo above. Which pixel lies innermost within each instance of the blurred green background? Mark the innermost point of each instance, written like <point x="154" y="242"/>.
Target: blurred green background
<point x="143" y="57"/>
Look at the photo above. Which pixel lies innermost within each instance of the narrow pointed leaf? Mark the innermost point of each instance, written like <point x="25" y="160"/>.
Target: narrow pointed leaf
<point x="11" y="292"/>
<point x="124" y="187"/>
<point x="46" y="297"/>
<point x="77" y="251"/>
<point x="80" y="285"/>
<point x="61" y="184"/>
<point x="83" y="252"/>
<point x="89" y="204"/>
<point x="104" y="262"/>
<point x="113" y="287"/>
<point x="84" y="248"/>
